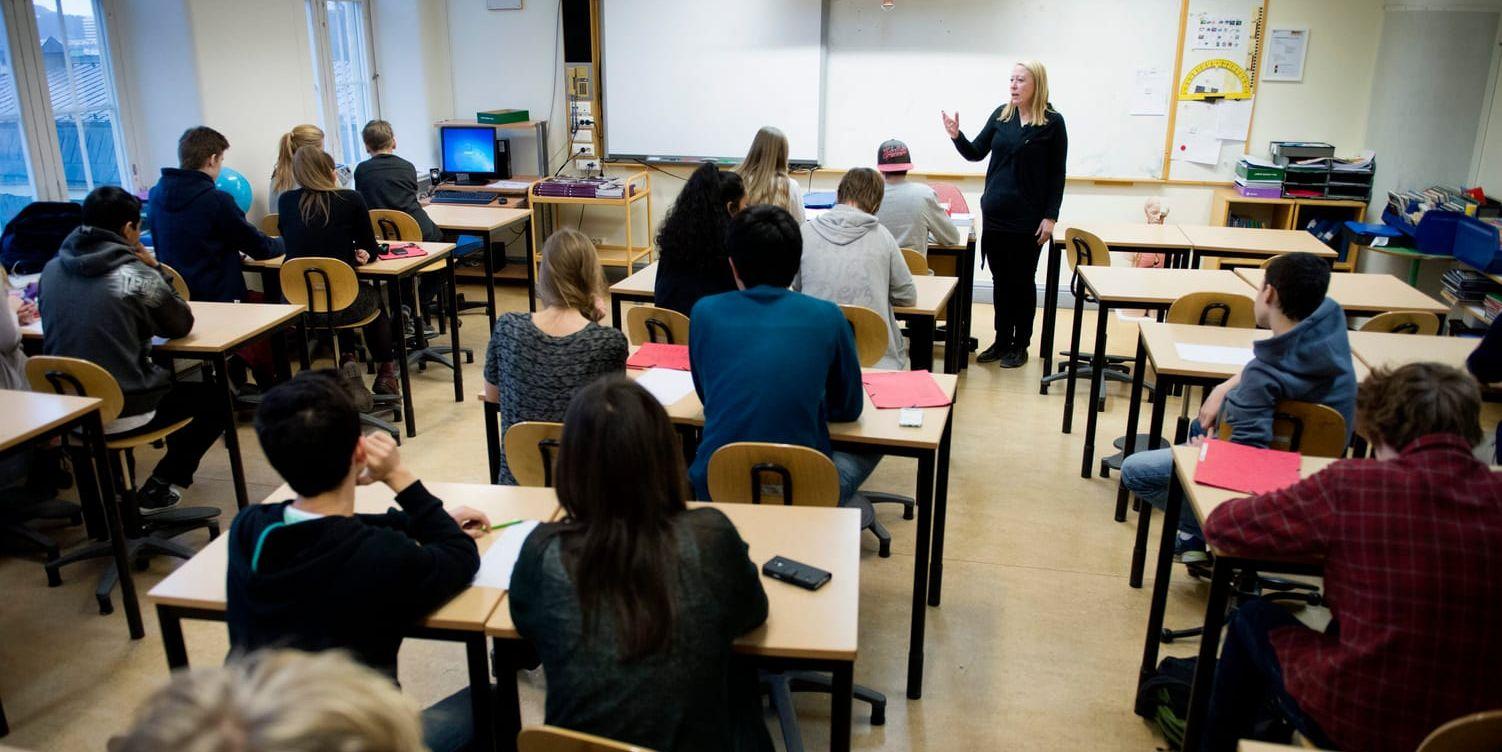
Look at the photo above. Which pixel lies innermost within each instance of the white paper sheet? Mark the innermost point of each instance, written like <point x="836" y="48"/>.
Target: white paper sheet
<point x="1286" y="49"/>
<point x="1150" y="92"/>
<point x="1231" y="356"/>
<point x="500" y="559"/>
<point x="1233" y="118"/>
<point x="667" y="385"/>
<point x="1194" y="134"/>
<point x="1221" y="33"/>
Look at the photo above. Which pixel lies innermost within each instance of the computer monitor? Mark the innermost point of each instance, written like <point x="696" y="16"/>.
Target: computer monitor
<point x="472" y="154"/>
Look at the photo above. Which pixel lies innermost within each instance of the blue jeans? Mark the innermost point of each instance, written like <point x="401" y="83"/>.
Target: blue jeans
<point x="1249" y="678"/>
<point x="854" y="469"/>
<point x="449" y="725"/>
<point x="1147" y="473"/>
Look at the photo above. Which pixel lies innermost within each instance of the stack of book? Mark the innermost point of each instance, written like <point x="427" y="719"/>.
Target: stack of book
<point x="582" y="188"/>
<point x="1259" y="178"/>
<point x="1467" y="286"/>
<point x="1492" y="304"/>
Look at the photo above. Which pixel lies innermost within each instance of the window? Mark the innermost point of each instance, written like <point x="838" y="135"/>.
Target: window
<point x="340" y="30"/>
<point x="82" y="93"/>
<point x="16" y="188"/>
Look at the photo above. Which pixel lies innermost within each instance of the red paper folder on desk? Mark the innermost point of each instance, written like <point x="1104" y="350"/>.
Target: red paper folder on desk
<point x="402" y="251"/>
<point x="657" y="355"/>
<point x="1236" y="467"/>
<point x="893" y="389"/>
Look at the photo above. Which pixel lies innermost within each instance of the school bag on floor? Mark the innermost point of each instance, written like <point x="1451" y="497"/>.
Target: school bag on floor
<point x="33" y="236"/>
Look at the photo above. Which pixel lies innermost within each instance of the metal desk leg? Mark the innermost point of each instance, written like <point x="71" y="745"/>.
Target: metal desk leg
<point x="1134" y="411"/>
<point x="94" y="434"/>
<point x="967" y="303"/>
<point x="489" y="264"/>
<point x="508" y="708"/>
<point x="1145" y="513"/>
<point x="453" y="307"/>
<point x="941" y="509"/>
<point x="172" y="637"/>
<point x="954" y="340"/>
<point x="921" y="335"/>
<point x="399" y="339"/>
<point x="1204" y="669"/>
<point x="920" y="577"/>
<point x="1097" y="387"/>
<point x="1070" y="360"/>
<point x="481" y="702"/>
<point x="279" y="356"/>
<point x="1050" y="310"/>
<point x="531" y="273"/>
<point x="615" y="311"/>
<point x="1161" y="577"/>
<point x="841" y="694"/>
<point x="303" y="358"/>
<point x="231" y="436"/>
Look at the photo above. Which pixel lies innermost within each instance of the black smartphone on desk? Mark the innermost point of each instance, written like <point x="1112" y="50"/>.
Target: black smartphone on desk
<point x="796" y="573"/>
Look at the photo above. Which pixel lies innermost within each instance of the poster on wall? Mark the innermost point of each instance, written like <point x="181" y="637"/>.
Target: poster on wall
<point x="1286" y="49"/>
<point x="1213" y="32"/>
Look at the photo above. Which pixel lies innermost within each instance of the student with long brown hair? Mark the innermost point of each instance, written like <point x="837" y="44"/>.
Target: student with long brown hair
<point x="283" y="178"/>
<point x="633" y="600"/>
<point x="537" y="361"/>
<point x="319" y="218"/>
<point x="766" y="174"/>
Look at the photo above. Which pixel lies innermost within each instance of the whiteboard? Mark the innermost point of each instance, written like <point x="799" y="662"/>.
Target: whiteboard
<point x="891" y="72"/>
<point x="697" y="78"/>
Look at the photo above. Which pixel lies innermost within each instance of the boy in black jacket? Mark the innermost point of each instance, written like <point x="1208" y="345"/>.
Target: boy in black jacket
<point x="310" y="573"/>
<point x="387" y="181"/>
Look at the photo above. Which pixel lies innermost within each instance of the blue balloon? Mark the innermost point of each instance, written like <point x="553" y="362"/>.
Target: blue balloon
<point x="232" y="182"/>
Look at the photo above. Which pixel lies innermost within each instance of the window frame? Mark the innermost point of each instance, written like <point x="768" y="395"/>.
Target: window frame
<point x="323" y="73"/>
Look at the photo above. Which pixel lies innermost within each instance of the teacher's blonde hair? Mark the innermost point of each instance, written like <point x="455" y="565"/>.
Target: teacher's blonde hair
<point x="1036" y="111"/>
<point x="277" y="701"/>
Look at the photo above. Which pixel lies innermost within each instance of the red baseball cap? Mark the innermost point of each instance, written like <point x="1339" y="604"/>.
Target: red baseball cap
<point x="893" y="156"/>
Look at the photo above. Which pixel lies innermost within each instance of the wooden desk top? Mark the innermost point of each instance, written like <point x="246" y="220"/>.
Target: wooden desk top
<point x="1374" y="293"/>
<point x="200" y="582"/>
<point x="1252" y="241"/>
<point x="1204" y="499"/>
<point x="1249" y="745"/>
<point x="27" y="415"/>
<point x="1126" y="284"/>
<point x="1160" y="342"/>
<point x="376" y="269"/>
<point x="933" y="292"/>
<point x="475" y="218"/>
<point x="217" y="327"/>
<point x="820" y="624"/>
<point x="1130" y="234"/>
<point x="1388" y="350"/>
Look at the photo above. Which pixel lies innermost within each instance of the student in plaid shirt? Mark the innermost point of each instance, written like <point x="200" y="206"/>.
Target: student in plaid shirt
<point x="1412" y="549"/>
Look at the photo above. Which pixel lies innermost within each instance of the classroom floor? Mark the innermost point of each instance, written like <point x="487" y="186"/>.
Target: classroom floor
<point x="1036" y="645"/>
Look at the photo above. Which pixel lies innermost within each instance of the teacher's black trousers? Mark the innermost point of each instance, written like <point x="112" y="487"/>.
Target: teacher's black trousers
<point x="1013" y="258"/>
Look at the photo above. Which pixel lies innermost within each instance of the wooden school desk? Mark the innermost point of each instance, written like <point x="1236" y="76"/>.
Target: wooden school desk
<point x="1120" y="237"/>
<point x="807" y="630"/>
<point x="219" y="329"/>
<point x="877" y="431"/>
<point x="487" y="220"/>
<point x="197" y="589"/>
<point x="1388" y="350"/>
<point x="935" y="294"/>
<point x="1250" y="242"/>
<point x="1125" y="286"/>
<point x="1368" y="294"/>
<point x="392" y="274"/>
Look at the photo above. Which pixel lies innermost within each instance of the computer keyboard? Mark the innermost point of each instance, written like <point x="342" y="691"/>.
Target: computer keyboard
<point x="465" y="197"/>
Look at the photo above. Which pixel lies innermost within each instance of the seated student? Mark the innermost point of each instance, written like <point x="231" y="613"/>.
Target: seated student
<point x="691" y="243"/>
<point x="14" y="314"/>
<point x="102" y="300"/>
<point x="537" y="361"/>
<point x="283" y="178"/>
<point x="387" y="181"/>
<point x="1307" y="359"/>
<point x="850" y="259"/>
<point x="311" y="574"/>
<point x="1485" y="363"/>
<point x="771" y="364"/>
<point x="633" y="600"/>
<point x="320" y="219"/>
<point x="909" y="210"/>
<point x="765" y="173"/>
<point x="1412" y="550"/>
<point x="276" y="701"/>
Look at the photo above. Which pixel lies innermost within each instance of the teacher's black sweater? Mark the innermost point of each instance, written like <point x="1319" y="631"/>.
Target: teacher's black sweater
<point x="1025" y="179"/>
<point x="356" y="583"/>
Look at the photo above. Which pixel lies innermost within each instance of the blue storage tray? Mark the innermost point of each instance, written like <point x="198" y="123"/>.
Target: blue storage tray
<point x="1476" y="245"/>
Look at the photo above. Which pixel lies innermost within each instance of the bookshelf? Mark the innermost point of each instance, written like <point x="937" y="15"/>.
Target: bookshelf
<point x="638" y="189"/>
<point x="1230" y="208"/>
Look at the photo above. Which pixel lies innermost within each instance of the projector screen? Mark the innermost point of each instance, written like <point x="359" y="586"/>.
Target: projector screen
<point x="695" y="79"/>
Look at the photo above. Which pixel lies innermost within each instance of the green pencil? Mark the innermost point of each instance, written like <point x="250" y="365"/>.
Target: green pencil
<point x="506" y="524"/>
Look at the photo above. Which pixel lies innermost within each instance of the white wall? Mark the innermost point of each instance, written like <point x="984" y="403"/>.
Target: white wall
<point x="416" y="85"/>
<point x="157" y="79"/>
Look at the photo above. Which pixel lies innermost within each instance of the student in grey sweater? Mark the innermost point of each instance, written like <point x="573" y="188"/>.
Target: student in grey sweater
<point x="850" y="259"/>
<point x="910" y="211"/>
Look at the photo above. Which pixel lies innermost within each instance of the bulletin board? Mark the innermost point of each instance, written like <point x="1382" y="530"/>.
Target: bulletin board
<point x="1215" y="88"/>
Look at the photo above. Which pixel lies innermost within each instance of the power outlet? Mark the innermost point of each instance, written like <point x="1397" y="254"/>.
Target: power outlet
<point x="597" y="241"/>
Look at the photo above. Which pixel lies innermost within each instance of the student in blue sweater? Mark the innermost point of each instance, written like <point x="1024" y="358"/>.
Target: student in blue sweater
<point x="1307" y="359"/>
<point x="771" y="364"/>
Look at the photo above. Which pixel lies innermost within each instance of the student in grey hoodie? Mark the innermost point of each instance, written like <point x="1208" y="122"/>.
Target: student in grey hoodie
<point x="910" y="210"/>
<point x="850" y="259"/>
<point x="1308" y="359"/>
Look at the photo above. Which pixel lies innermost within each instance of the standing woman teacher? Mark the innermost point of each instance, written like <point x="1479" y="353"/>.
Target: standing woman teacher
<point x="1027" y="143"/>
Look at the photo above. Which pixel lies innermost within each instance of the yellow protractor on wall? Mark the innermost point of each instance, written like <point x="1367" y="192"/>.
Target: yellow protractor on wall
<point x="1216" y="79"/>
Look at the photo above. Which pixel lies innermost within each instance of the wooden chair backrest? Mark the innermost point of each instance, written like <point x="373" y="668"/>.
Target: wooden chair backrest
<point x="1308" y="428"/>
<point x="271" y="225"/>
<point x="740" y="473"/>
<point x="870" y="331"/>
<point x="1214" y="309"/>
<point x="1402" y="322"/>
<point x="1478" y="732"/>
<point x="392" y="224"/>
<point x="324" y="285"/>
<point x="647" y="323"/>
<point x="1269" y="260"/>
<point x="50" y="374"/>
<point x="178" y="283"/>
<point x="531" y="451"/>
<point x="917" y="265"/>
<point x="554" y="739"/>
<point x="1084" y="248"/>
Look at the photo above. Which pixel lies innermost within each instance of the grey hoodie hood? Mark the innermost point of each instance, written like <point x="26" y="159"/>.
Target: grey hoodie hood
<point x="92" y="252"/>
<point x="843" y="225"/>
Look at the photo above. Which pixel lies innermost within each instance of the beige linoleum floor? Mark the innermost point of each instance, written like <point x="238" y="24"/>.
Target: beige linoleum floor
<point x="1036" y="645"/>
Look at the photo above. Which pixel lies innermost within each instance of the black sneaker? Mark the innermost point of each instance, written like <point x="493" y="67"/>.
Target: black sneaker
<point x="157" y="496"/>
<point x="1015" y="358"/>
<point x="990" y="354"/>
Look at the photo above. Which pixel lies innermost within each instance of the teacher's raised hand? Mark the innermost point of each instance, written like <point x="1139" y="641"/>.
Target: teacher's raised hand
<point x="951" y="124"/>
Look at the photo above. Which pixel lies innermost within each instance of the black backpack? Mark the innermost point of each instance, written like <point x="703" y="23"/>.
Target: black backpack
<point x="33" y="236"/>
<point x="1163" y="699"/>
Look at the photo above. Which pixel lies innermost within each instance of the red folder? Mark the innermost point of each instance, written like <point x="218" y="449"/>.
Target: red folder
<point x="892" y="389"/>
<point x="657" y="355"/>
<point x="1236" y="467"/>
<point x="402" y="251"/>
